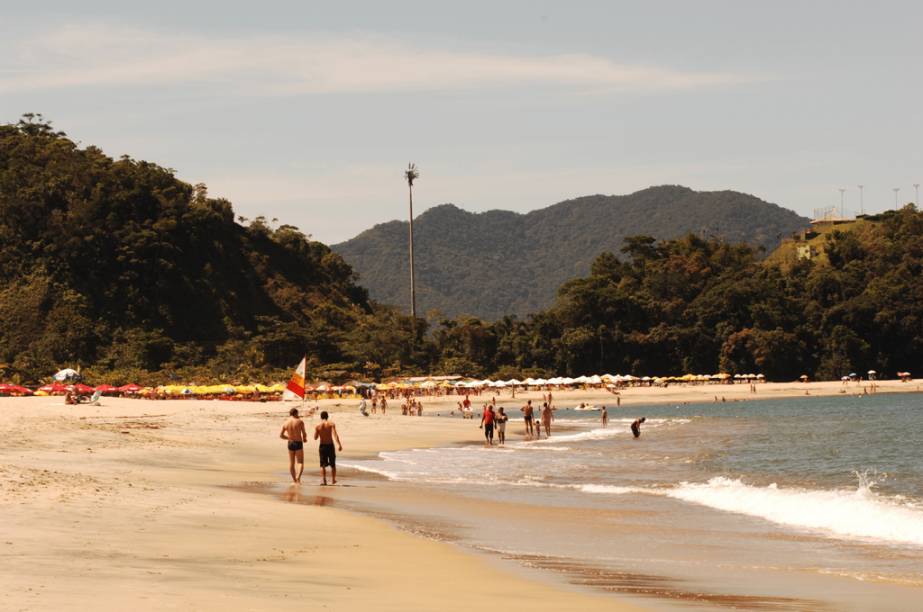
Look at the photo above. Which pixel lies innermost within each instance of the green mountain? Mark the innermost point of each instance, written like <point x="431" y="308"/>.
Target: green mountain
<point x="498" y="262"/>
<point x="120" y="267"/>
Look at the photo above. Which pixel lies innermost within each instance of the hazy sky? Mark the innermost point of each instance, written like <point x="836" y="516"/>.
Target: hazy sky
<point x="309" y="111"/>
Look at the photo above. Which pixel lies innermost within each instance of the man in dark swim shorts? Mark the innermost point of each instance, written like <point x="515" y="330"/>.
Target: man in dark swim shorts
<point x="326" y="432"/>
<point x="527" y="411"/>
<point x="293" y="430"/>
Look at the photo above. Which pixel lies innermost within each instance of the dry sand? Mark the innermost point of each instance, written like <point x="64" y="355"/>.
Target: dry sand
<point x="140" y="504"/>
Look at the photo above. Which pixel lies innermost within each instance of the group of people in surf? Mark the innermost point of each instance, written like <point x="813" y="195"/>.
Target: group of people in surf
<point x="494" y="419"/>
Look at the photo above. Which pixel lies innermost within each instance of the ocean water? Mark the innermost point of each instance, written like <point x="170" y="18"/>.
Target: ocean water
<point x="838" y="480"/>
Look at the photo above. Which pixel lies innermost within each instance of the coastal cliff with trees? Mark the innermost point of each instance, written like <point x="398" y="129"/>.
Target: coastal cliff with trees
<point x="118" y="266"/>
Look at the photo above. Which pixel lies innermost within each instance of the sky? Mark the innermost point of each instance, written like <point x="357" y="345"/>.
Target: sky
<point x="308" y="112"/>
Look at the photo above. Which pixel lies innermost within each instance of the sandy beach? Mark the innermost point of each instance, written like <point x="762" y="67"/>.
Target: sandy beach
<point x="155" y="504"/>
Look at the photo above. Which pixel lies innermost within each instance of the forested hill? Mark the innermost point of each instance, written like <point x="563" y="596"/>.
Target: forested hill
<point x="498" y="262"/>
<point x="116" y="264"/>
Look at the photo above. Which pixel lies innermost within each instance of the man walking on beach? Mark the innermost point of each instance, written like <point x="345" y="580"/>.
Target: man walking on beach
<point x="326" y="432"/>
<point x="293" y="430"/>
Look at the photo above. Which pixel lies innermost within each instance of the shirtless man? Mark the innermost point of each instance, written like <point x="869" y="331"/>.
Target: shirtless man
<point x="293" y="431"/>
<point x="636" y="427"/>
<point x="528" y="417"/>
<point x="604" y="417"/>
<point x="547" y="418"/>
<point x="326" y="432"/>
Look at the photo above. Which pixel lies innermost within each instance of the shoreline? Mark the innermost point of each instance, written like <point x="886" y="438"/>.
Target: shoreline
<point x="154" y="494"/>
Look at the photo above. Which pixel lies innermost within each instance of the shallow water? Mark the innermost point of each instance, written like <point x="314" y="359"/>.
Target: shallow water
<point x="821" y="486"/>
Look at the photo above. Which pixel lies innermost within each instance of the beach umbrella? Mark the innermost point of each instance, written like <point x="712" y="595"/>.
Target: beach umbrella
<point x="17" y="389"/>
<point x="106" y="389"/>
<point x="845" y="378"/>
<point x="14" y="389"/>
<point x="872" y="372"/>
<point x="760" y="376"/>
<point x="803" y="377"/>
<point x="82" y="388"/>
<point x="65" y="374"/>
<point x="129" y="388"/>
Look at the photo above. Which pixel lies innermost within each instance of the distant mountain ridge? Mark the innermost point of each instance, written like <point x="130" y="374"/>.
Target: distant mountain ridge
<point x="498" y="262"/>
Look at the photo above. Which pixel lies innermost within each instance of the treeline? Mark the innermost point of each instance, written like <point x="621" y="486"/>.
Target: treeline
<point x="119" y="267"/>
<point x="702" y="306"/>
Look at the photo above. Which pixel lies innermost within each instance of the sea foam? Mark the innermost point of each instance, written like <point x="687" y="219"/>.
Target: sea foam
<point x="854" y="514"/>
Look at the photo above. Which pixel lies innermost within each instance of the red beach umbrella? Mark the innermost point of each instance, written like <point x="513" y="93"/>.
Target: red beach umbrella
<point x="106" y="389"/>
<point x="54" y="389"/>
<point x="82" y="388"/>
<point x="129" y="388"/>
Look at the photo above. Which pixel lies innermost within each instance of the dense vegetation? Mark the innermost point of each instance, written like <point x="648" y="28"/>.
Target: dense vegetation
<point x="117" y="266"/>
<point x="498" y="263"/>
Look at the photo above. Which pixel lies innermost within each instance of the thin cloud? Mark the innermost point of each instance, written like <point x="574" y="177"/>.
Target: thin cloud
<point x="95" y="56"/>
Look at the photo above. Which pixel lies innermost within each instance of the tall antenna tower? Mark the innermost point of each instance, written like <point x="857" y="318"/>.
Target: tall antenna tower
<point x="842" y="203"/>
<point x="916" y="192"/>
<point x="861" y="200"/>
<point x="897" y="191"/>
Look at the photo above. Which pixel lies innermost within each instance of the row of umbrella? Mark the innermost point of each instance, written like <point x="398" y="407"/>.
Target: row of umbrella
<point x="595" y="379"/>
<point x="59" y="388"/>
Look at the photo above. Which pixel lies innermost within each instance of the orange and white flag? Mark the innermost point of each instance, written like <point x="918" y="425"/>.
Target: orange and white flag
<point x="296" y="384"/>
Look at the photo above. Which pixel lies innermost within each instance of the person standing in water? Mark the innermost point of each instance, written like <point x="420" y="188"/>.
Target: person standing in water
<point x="293" y="431"/>
<point x="527" y="417"/>
<point x="487" y="424"/>
<point x="547" y="418"/>
<point x="636" y="427"/>
<point x="604" y="417"/>
<point x="326" y="432"/>
<point x="502" y="418"/>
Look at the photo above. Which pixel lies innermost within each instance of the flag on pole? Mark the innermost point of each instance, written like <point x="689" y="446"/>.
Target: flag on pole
<point x="296" y="384"/>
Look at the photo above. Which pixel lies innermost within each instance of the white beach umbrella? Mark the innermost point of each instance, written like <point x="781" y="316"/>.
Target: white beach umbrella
<point x="595" y="380"/>
<point x="65" y="374"/>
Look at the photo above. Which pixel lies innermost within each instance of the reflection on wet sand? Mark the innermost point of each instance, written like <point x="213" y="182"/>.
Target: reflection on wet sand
<point x="647" y="585"/>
